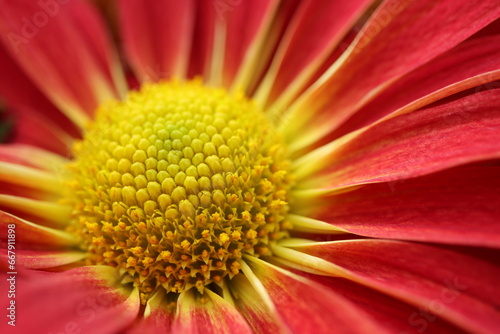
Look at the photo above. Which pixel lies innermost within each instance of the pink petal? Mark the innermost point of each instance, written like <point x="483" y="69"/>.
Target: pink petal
<point x="78" y="300"/>
<point x="456" y="287"/>
<point x="400" y="37"/>
<point x="470" y="64"/>
<point x="212" y="315"/>
<point x="307" y="307"/>
<point x="458" y="206"/>
<point x="422" y="142"/>
<point x="48" y="43"/>
<point x="299" y="55"/>
<point x="157" y="37"/>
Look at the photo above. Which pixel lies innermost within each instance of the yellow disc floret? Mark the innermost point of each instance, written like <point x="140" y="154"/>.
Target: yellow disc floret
<point x="175" y="183"/>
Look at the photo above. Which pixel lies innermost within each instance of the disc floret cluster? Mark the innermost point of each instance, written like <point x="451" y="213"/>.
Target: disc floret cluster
<point x="175" y="184"/>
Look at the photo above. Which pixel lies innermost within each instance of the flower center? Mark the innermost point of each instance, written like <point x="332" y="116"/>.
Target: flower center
<point x="175" y="183"/>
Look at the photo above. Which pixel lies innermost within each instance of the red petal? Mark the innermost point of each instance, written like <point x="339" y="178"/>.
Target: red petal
<point x="93" y="28"/>
<point x="157" y="37"/>
<point x="31" y="167"/>
<point x="32" y="236"/>
<point x="252" y="306"/>
<point x="299" y="55"/>
<point x="33" y="178"/>
<point x="33" y="128"/>
<point x="203" y="39"/>
<point x="29" y="182"/>
<point x="306" y="307"/>
<point x="212" y="315"/>
<point x="414" y="144"/>
<point x="159" y="321"/>
<point x="43" y="259"/>
<point x="46" y="213"/>
<point x="17" y="190"/>
<point x="472" y="63"/>
<point x="457" y="287"/>
<point x="157" y="317"/>
<point x="8" y="154"/>
<point x="30" y="156"/>
<point x="400" y="36"/>
<point x="21" y="94"/>
<point x="459" y="206"/>
<point x="47" y="42"/>
<point x="78" y="300"/>
<point x="396" y="316"/>
<point x="245" y="25"/>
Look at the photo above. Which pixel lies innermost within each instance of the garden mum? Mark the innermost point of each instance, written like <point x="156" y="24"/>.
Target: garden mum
<point x="250" y="166"/>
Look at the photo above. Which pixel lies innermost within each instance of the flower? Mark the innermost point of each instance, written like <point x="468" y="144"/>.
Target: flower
<point x="282" y="166"/>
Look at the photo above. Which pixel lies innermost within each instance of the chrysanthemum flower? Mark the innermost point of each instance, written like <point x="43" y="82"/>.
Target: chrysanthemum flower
<point x="251" y="166"/>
